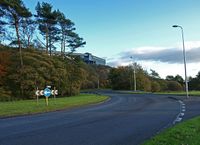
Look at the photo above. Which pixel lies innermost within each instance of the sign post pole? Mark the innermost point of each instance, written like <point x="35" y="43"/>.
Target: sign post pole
<point x="47" y="101"/>
<point x="37" y="97"/>
<point x="47" y="94"/>
<point x="37" y="93"/>
<point x="54" y="94"/>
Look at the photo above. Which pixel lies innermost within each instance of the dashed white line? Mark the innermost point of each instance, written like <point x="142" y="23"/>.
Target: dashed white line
<point x="181" y="114"/>
<point x="178" y="119"/>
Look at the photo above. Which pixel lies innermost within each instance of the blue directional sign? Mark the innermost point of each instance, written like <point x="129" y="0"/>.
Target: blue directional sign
<point x="47" y="92"/>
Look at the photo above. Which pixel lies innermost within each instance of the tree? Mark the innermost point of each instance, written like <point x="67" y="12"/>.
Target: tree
<point x="179" y="79"/>
<point x="169" y="78"/>
<point x="2" y="24"/>
<point x="174" y="86"/>
<point x="75" y="41"/>
<point x="194" y="83"/>
<point x="119" y="78"/>
<point x="47" y="20"/>
<point x="155" y="86"/>
<point x="102" y="72"/>
<point x="4" y="64"/>
<point x="143" y="81"/>
<point x="66" y="26"/>
<point x="28" y="26"/>
<point x="154" y="74"/>
<point x="163" y="84"/>
<point x="15" y="10"/>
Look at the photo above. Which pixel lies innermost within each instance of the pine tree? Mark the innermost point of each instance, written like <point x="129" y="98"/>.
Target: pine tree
<point x="28" y="27"/>
<point x="2" y="24"/>
<point x="47" y="20"/>
<point x="75" y="41"/>
<point x="15" y="10"/>
<point x="66" y="26"/>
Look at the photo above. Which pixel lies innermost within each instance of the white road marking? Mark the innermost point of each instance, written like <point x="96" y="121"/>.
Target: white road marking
<point x="181" y="114"/>
<point x="180" y="101"/>
<point x="178" y="119"/>
<point x="183" y="107"/>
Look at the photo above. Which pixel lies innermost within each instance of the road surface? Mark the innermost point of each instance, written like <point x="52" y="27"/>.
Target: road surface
<point x="126" y="119"/>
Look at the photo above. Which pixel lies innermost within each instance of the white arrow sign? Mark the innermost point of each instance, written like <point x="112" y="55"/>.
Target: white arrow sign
<point x="37" y="93"/>
<point x="52" y="92"/>
<point x="42" y="92"/>
<point x="56" y="92"/>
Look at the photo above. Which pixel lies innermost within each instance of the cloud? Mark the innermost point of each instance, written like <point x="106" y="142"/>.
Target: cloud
<point x="165" y="60"/>
<point x="169" y="55"/>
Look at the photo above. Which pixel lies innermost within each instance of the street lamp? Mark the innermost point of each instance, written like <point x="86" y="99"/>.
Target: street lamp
<point x="134" y="75"/>
<point x="184" y="58"/>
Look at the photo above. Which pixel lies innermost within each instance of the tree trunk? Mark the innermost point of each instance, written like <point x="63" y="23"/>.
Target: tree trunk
<point x="29" y="40"/>
<point x="61" y="47"/>
<point x="50" y="44"/>
<point x="64" y="43"/>
<point x="19" y="43"/>
<point x="47" y="39"/>
<point x="16" y="20"/>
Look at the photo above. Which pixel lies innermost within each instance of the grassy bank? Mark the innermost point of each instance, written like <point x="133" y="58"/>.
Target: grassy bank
<point x="31" y="106"/>
<point x="191" y="93"/>
<point x="186" y="133"/>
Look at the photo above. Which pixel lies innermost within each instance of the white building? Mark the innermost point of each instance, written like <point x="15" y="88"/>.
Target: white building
<point x="91" y="59"/>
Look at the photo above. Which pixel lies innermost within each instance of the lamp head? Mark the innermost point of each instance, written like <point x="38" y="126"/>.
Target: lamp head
<point x="175" y="26"/>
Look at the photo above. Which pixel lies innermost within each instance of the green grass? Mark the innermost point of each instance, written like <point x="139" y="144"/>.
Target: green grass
<point x="191" y="93"/>
<point x="31" y="107"/>
<point x="186" y="133"/>
<point x="132" y="92"/>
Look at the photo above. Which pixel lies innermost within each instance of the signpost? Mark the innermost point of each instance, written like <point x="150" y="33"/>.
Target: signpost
<point x="47" y="92"/>
<point x="54" y="92"/>
<point x="37" y="94"/>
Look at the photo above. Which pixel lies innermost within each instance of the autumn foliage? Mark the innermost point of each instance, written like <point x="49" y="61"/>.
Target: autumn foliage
<point x="67" y="74"/>
<point x="4" y="63"/>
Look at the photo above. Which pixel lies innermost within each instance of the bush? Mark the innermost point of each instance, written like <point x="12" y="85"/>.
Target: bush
<point x="5" y="95"/>
<point x="174" y="86"/>
<point x="155" y="86"/>
<point x="40" y="70"/>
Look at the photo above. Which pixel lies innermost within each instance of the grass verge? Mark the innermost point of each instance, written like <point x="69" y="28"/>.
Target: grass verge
<point x="15" y="108"/>
<point x="191" y="93"/>
<point x="132" y="92"/>
<point x="185" y="133"/>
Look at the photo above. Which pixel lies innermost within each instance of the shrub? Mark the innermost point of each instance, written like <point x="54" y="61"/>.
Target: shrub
<point x="174" y="86"/>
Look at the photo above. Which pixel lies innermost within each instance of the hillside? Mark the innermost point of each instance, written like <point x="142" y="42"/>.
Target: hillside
<point x="68" y="75"/>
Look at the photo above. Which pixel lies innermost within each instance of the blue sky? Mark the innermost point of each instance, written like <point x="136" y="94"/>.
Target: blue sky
<point x="112" y="28"/>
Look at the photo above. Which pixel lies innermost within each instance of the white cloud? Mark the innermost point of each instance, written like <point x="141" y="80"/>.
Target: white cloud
<point x="165" y="60"/>
<point x="167" y="54"/>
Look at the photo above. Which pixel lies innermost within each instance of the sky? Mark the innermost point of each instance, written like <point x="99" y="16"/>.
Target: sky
<point x="118" y="29"/>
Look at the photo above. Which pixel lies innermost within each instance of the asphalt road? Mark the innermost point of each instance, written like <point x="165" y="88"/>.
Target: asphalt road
<point x="126" y="119"/>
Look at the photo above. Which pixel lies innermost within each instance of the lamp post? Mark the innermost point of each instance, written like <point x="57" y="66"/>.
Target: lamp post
<point x="184" y="58"/>
<point x="134" y="75"/>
